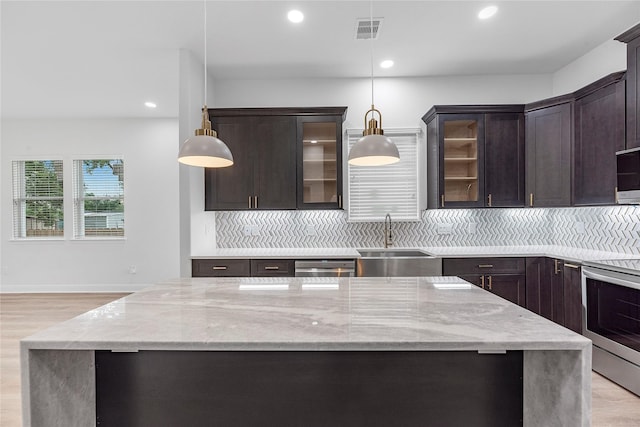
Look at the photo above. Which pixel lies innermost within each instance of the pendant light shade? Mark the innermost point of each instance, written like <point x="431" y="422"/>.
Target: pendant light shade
<point x="373" y="149"/>
<point x="205" y="149"/>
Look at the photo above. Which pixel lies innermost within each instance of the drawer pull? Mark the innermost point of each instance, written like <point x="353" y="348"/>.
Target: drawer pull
<point x="556" y="268"/>
<point x="249" y="202"/>
<point x="275" y="267"/>
<point x="490" y="283"/>
<point x="482" y="282"/>
<point x="219" y="267"/>
<point x="485" y="265"/>
<point x="571" y="265"/>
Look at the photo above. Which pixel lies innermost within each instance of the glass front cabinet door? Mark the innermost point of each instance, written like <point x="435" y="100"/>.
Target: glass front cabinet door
<point x="320" y="162"/>
<point x="462" y="163"/>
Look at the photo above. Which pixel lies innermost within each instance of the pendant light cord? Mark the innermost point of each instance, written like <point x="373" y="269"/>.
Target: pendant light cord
<point x="205" y="52"/>
<point x="371" y="44"/>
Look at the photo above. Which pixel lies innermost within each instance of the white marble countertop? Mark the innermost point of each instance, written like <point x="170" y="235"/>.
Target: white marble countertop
<point x="553" y="251"/>
<point x="427" y="313"/>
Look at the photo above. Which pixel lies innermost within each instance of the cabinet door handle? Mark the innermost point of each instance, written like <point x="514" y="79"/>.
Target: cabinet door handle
<point x="219" y="267"/>
<point x="616" y="195"/>
<point x="556" y="268"/>
<point x="485" y="265"/>
<point x="274" y="267"/>
<point x="489" y="200"/>
<point x="255" y="202"/>
<point x="571" y="265"/>
<point x="531" y="199"/>
<point x="340" y="201"/>
<point x="482" y="282"/>
<point x="442" y="200"/>
<point x="249" y="202"/>
<point x="490" y="282"/>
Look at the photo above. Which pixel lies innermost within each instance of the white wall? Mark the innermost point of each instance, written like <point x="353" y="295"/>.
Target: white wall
<point x="402" y="101"/>
<point x="605" y="59"/>
<point x="197" y="227"/>
<point x="149" y="149"/>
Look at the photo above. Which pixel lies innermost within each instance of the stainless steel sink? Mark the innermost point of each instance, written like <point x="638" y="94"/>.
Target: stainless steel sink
<point x="397" y="263"/>
<point x="377" y="253"/>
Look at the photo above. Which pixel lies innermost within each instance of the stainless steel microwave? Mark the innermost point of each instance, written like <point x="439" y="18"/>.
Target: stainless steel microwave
<point x="628" y="176"/>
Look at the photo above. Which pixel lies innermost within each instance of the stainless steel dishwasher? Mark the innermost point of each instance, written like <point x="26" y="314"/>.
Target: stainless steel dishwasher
<point x="325" y="268"/>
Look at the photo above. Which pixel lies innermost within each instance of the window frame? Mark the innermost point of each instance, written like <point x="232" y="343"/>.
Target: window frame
<point x="78" y="198"/>
<point x="19" y="199"/>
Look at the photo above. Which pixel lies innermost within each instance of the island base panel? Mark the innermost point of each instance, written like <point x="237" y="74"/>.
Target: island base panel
<point x="310" y="388"/>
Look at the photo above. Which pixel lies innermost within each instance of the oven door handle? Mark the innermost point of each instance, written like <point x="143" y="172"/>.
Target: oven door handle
<point x="613" y="278"/>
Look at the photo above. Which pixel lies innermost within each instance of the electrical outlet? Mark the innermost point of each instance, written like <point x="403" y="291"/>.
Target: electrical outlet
<point x="471" y="227"/>
<point x="310" y="230"/>
<point x="579" y="226"/>
<point x="445" y="228"/>
<point x="246" y="230"/>
<point x="133" y="269"/>
<point x="255" y="230"/>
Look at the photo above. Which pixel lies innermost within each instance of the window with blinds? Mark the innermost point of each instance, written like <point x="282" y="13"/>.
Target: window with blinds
<point x="375" y="191"/>
<point x="38" y="209"/>
<point x="98" y="198"/>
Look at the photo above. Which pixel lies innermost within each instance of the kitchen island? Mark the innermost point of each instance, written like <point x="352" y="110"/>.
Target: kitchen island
<point x="307" y="351"/>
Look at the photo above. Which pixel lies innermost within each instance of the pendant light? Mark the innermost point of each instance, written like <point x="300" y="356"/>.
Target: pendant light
<point x="205" y="149"/>
<point x="373" y="149"/>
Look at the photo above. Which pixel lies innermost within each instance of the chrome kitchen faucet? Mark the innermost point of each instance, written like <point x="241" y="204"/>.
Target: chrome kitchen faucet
<point x="388" y="239"/>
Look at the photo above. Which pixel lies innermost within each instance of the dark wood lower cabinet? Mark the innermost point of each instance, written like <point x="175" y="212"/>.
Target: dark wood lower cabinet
<point x="508" y="286"/>
<point x="554" y="291"/>
<point x="545" y="288"/>
<point x="503" y="276"/>
<point x="233" y="267"/>
<point x="572" y="297"/>
<point x="309" y="388"/>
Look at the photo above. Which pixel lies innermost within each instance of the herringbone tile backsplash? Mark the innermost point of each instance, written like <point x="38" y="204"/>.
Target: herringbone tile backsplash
<point x="611" y="228"/>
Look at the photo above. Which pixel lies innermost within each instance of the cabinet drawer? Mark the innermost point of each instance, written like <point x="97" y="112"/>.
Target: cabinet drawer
<point x="457" y="266"/>
<point x="272" y="267"/>
<point x="220" y="268"/>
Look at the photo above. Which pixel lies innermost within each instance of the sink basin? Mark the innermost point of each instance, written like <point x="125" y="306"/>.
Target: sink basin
<point x="397" y="263"/>
<point x="378" y="253"/>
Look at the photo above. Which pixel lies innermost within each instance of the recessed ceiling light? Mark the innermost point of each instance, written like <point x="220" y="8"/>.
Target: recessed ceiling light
<point x="150" y="104"/>
<point x="387" y="63"/>
<point x="295" y="16"/>
<point x="487" y="12"/>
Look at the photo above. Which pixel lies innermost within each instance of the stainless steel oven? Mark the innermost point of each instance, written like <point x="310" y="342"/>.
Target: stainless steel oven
<point x="611" y="319"/>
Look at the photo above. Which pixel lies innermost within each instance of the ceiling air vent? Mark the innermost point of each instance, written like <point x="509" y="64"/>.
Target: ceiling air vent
<point x="363" y="28"/>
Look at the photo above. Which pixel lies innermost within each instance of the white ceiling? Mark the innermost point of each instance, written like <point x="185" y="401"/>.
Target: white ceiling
<point x="104" y="58"/>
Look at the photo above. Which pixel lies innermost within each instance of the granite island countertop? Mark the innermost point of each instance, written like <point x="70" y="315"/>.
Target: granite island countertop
<point x="404" y="313"/>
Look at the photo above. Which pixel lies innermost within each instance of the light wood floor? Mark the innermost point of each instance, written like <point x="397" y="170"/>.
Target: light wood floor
<point x="24" y="314"/>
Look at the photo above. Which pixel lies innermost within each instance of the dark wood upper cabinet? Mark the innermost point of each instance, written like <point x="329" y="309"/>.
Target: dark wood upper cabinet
<point x="230" y="188"/>
<point x="319" y="153"/>
<point x="548" y="154"/>
<point x="632" y="39"/>
<point x="265" y="144"/>
<point x="504" y="159"/>
<point x="599" y="132"/>
<point x="475" y="156"/>
<point x="274" y="162"/>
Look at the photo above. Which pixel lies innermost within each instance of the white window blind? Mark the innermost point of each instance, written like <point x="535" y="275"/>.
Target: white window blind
<point x="38" y="209"/>
<point x="98" y="199"/>
<point x="375" y="191"/>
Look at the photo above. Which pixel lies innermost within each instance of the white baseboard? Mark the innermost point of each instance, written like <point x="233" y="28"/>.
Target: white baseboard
<point x="78" y="288"/>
